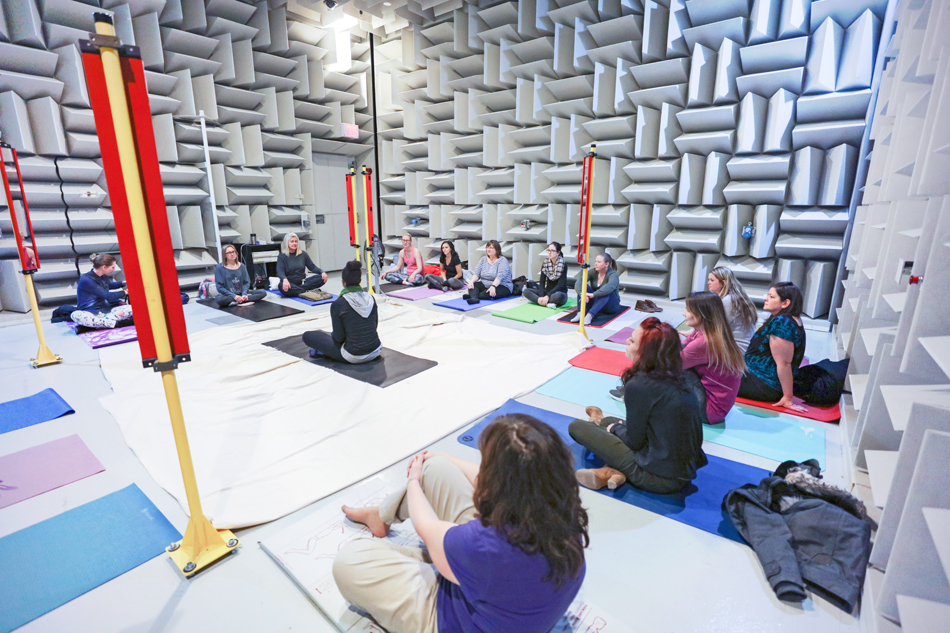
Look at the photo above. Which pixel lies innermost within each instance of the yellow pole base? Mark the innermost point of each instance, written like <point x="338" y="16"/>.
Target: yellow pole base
<point x="44" y="357"/>
<point x="201" y="547"/>
<point x="583" y="308"/>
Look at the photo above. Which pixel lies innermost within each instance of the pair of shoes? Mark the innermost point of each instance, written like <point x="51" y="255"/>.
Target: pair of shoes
<point x="653" y="306"/>
<point x="314" y="295"/>
<point x="645" y="305"/>
<point x="588" y="318"/>
<point x="597" y="478"/>
<point x="577" y="317"/>
<point x="315" y="353"/>
<point x="617" y="394"/>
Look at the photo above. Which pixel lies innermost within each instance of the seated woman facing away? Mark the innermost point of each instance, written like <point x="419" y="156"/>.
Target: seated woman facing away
<point x="776" y="350"/>
<point x="659" y="447"/>
<point x="292" y="266"/>
<point x="232" y="281"/>
<point x="740" y="311"/>
<point x="603" y="289"/>
<point x="492" y="276"/>
<point x="451" y="268"/>
<point x="552" y="290"/>
<point x="712" y="353"/>
<point x="503" y="542"/>
<point x="354" y="317"/>
<point x="100" y="299"/>
<point x="408" y="268"/>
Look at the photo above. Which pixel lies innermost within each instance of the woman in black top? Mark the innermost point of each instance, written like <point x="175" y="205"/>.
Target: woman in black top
<point x="292" y="266"/>
<point x="659" y="447"/>
<point x="354" y="317"/>
<point x="451" y="267"/>
<point x="552" y="289"/>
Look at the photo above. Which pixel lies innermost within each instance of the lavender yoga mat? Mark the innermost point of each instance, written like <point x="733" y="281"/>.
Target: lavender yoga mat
<point x="33" y="471"/>
<point x="104" y="338"/>
<point x="621" y="336"/>
<point x="414" y="294"/>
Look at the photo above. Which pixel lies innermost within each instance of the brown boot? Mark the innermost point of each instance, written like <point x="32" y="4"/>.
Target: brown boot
<point x="597" y="478"/>
<point x="642" y="306"/>
<point x="653" y="307"/>
<point x="595" y="414"/>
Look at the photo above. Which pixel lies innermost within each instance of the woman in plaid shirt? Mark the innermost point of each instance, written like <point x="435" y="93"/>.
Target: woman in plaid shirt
<point x="552" y="289"/>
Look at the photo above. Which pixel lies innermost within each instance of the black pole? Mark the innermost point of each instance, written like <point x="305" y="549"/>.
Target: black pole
<point x="372" y="69"/>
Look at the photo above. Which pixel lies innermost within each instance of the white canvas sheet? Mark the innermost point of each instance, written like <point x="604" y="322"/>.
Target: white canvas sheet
<point x="270" y="433"/>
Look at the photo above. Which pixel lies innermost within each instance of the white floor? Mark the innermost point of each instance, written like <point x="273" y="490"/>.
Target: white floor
<point x="653" y="573"/>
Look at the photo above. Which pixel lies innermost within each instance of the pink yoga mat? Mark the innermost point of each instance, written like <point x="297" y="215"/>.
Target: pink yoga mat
<point x="33" y="471"/>
<point x="414" y="294"/>
<point x="621" y="336"/>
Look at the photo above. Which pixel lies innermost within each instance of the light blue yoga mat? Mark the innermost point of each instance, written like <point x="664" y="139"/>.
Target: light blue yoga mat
<point x="41" y="407"/>
<point x="464" y="306"/>
<point x="756" y="431"/>
<point x="48" y="564"/>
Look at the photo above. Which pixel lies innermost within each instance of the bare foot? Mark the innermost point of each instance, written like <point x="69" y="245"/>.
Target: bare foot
<point x="369" y="517"/>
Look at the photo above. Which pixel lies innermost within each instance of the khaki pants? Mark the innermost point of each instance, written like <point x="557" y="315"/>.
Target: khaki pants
<point x="398" y="585"/>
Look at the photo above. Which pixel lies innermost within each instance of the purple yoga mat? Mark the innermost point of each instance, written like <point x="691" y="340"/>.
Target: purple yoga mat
<point x="414" y="294"/>
<point x="33" y="471"/>
<point x="621" y="336"/>
<point x="104" y="338"/>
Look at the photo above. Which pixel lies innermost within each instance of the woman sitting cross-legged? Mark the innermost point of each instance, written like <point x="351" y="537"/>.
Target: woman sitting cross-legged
<point x="503" y="543"/>
<point x="451" y="268"/>
<point x="232" y="281"/>
<point x="659" y="447"/>
<point x="492" y="276"/>
<point x="354" y="318"/>
<point x="292" y="266"/>
<point x="101" y="301"/>
<point x="552" y="290"/>
<point x="408" y="268"/>
<point x="776" y="350"/>
<point x="603" y="289"/>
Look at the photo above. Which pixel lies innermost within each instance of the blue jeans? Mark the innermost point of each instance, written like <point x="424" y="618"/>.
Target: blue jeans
<point x="608" y="305"/>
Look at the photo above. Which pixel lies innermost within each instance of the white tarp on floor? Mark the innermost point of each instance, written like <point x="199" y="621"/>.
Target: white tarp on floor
<point x="270" y="433"/>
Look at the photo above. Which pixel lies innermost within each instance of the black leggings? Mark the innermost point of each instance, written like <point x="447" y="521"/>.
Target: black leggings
<point x="312" y="282"/>
<point x="753" y="388"/>
<point x="324" y="343"/>
<point x="252" y="295"/>
<point x="481" y="291"/>
<point x="555" y="298"/>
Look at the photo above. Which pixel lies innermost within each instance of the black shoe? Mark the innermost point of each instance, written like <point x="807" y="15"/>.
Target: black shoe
<point x="617" y="394"/>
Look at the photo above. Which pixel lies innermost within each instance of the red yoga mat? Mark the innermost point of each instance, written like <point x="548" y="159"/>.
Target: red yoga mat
<point x="820" y="414"/>
<point x="606" y="361"/>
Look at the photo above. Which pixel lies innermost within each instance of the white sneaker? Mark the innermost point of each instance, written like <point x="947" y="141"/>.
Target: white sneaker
<point x="587" y="319"/>
<point x="576" y="318"/>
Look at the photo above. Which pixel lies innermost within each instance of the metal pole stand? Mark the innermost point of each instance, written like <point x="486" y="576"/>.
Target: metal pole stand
<point x="368" y="223"/>
<point x="116" y="80"/>
<point x="44" y="356"/>
<point x="583" y="234"/>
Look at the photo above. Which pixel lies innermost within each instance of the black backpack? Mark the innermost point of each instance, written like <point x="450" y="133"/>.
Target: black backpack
<point x="518" y="284"/>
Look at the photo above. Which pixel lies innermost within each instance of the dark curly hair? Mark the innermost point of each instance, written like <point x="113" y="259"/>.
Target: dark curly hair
<point x="658" y="354"/>
<point x="526" y="489"/>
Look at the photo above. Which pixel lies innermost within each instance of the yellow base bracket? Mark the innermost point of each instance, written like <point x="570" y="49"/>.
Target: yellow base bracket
<point x="44" y="356"/>
<point x="201" y="547"/>
<point x="583" y="307"/>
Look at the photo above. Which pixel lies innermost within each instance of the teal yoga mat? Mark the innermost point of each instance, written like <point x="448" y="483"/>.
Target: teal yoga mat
<point x="40" y="407"/>
<point x="48" y="564"/>
<point x="756" y="431"/>
<point x="531" y="312"/>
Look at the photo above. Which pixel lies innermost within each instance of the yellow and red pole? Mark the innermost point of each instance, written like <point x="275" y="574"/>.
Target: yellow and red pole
<point x="587" y="180"/>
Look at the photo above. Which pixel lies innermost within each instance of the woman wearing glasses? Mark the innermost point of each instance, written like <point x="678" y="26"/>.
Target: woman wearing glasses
<point x="552" y="289"/>
<point x="407" y="269"/>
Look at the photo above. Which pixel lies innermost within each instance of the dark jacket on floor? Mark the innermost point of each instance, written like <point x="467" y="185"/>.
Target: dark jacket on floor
<point x="804" y="530"/>
<point x="354" y="316"/>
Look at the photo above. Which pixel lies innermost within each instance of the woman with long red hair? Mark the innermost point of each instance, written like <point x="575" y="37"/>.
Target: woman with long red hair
<point x="659" y="446"/>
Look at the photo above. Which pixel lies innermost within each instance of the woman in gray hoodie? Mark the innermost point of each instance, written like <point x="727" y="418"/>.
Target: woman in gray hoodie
<point x="354" y="317"/>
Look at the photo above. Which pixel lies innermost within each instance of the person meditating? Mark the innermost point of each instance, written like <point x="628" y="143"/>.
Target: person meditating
<point x="101" y="301"/>
<point x="292" y="266"/>
<point x="740" y="311"/>
<point x="408" y="268"/>
<point x="659" y="447"/>
<point x="450" y="267"/>
<point x="232" y="281"/>
<point x="492" y="276"/>
<point x="552" y="289"/>
<point x="603" y="289"/>
<point x="776" y="350"/>
<point x="503" y="542"/>
<point x="354" y="318"/>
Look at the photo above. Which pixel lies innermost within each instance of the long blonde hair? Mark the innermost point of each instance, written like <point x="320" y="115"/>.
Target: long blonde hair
<point x="721" y="348"/>
<point x="742" y="307"/>
<point x="285" y="244"/>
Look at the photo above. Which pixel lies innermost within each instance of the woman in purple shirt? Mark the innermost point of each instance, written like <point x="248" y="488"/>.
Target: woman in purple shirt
<point x="504" y="541"/>
<point x="711" y="351"/>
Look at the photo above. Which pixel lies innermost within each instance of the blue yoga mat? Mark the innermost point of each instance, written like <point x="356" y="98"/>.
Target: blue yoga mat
<point x="698" y="505"/>
<point x="464" y="306"/>
<point x="756" y="431"/>
<point x="41" y="407"/>
<point x="48" y="564"/>
<point x="304" y="301"/>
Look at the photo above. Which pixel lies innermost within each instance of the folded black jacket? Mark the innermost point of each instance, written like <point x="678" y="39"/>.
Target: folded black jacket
<point x="806" y="532"/>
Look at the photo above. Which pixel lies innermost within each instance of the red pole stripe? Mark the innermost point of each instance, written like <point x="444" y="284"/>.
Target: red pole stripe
<point x="369" y="208"/>
<point x="26" y="211"/>
<point x="350" y="215"/>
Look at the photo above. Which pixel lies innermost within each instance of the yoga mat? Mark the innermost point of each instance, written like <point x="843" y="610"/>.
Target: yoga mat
<point x="606" y="361"/>
<point x="256" y="312"/>
<point x="33" y="471"/>
<point x="225" y="320"/>
<point x="532" y="312"/>
<point x="391" y="366"/>
<point x="598" y="321"/>
<point x="48" y="564"/>
<point x="104" y="338"/>
<point x="750" y="430"/>
<point x="698" y="504"/>
<point x="464" y="306"/>
<point x="40" y="407"/>
<point x="414" y="294"/>
<point x="387" y="287"/>
<point x="621" y="336"/>
<point x="821" y="414"/>
<point x="307" y="302"/>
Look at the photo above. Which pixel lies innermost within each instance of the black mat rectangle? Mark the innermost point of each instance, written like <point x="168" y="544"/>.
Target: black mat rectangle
<point x="390" y="368"/>
<point x="598" y="321"/>
<point x="257" y="311"/>
<point x="387" y="288"/>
